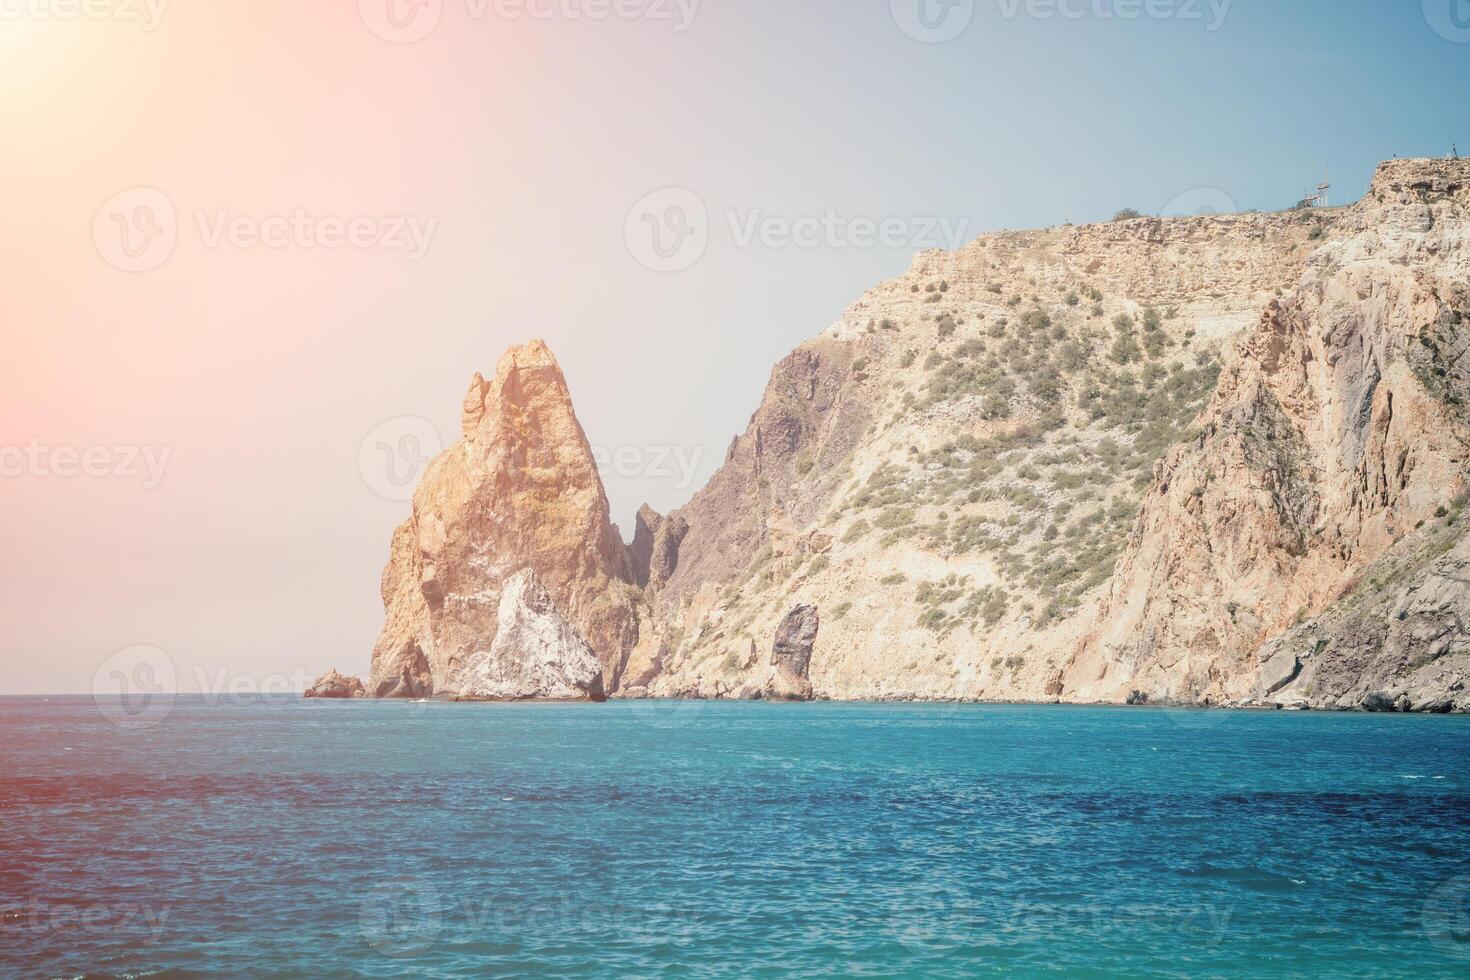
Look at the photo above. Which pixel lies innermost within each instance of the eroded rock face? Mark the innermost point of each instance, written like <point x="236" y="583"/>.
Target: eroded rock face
<point x="536" y="655"/>
<point x="1338" y="428"/>
<point x="792" y="651"/>
<point x="784" y="468"/>
<point x="1151" y="460"/>
<point x="791" y="655"/>
<point x="655" y="548"/>
<point x="1398" y="642"/>
<point x="519" y="491"/>
<point x="333" y="685"/>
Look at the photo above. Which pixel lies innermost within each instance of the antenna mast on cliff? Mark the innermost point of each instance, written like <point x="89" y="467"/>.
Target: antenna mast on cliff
<point x="1319" y="199"/>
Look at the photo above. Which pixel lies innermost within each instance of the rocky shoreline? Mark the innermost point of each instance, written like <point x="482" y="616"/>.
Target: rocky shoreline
<point x="1218" y="461"/>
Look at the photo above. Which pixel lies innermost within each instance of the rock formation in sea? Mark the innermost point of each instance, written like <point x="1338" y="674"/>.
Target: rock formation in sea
<point x="520" y="491"/>
<point x="333" y="685"/>
<point x="1203" y="460"/>
<point x="791" y="655"/>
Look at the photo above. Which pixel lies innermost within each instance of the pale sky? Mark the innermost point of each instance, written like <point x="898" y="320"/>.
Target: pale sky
<point x="332" y="217"/>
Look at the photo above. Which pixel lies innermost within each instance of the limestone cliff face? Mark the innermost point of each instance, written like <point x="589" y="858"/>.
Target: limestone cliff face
<point x="950" y="471"/>
<point x="1082" y="462"/>
<point x="1206" y="460"/>
<point x="1337" y="429"/>
<point x="780" y="472"/>
<point x="1398" y="642"/>
<point x="536" y="653"/>
<point x="520" y="491"/>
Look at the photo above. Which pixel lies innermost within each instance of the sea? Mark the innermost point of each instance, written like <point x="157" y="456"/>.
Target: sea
<point x="271" y="836"/>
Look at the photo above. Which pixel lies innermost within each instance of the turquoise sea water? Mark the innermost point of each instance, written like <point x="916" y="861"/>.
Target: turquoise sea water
<point x="279" y="837"/>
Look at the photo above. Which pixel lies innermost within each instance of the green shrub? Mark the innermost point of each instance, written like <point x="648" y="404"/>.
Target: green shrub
<point x="1125" y="348"/>
<point x="1035" y="321"/>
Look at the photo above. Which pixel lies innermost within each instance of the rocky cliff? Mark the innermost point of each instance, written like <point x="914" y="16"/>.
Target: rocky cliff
<point x="1338" y="429"/>
<point x="1203" y="460"/>
<point x="520" y="492"/>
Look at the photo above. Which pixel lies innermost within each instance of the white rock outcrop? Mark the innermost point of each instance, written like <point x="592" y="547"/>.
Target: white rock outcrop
<point x="537" y="654"/>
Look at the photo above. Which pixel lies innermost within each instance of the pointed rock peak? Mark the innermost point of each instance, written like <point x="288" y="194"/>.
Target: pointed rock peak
<point x="528" y="372"/>
<point x="645" y="532"/>
<point x="655" y="548"/>
<point x="474" y="404"/>
<point x="521" y="491"/>
<point x="525" y="374"/>
<point x="532" y="354"/>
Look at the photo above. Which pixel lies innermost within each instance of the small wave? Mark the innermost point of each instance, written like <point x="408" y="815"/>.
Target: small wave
<point x="1250" y="877"/>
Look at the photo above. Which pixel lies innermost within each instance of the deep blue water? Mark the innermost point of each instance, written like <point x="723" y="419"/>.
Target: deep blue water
<point x="271" y="837"/>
